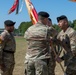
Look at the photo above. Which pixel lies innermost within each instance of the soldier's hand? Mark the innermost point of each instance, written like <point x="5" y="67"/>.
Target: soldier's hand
<point x="51" y="41"/>
<point x="58" y="59"/>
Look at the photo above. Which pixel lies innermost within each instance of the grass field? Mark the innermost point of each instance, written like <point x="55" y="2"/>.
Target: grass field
<point x="20" y="57"/>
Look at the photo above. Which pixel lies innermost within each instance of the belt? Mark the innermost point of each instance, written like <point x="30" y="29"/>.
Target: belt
<point x="8" y="51"/>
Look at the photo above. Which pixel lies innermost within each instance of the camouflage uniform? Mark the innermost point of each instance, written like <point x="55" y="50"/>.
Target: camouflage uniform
<point x="70" y="62"/>
<point x="7" y="49"/>
<point x="52" y="64"/>
<point x="38" y="51"/>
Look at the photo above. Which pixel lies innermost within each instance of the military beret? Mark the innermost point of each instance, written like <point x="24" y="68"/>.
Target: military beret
<point x="61" y="18"/>
<point x="49" y="19"/>
<point x="9" y="23"/>
<point x="43" y="14"/>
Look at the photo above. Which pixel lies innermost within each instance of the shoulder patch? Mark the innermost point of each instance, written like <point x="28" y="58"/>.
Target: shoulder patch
<point x="3" y="35"/>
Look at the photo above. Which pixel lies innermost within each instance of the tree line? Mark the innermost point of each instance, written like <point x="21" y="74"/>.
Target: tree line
<point x="25" y="25"/>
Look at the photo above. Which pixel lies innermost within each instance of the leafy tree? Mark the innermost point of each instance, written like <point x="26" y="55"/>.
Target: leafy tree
<point x="24" y="26"/>
<point x="71" y="24"/>
<point x="74" y="24"/>
<point x="16" y="31"/>
<point x="56" y="27"/>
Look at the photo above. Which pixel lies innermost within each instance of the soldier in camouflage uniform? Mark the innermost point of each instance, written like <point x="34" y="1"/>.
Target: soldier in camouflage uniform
<point x="66" y="34"/>
<point x="38" y="51"/>
<point x="7" y="49"/>
<point x="52" y="62"/>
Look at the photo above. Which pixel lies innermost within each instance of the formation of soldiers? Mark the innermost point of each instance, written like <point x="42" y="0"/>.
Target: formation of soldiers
<point x="42" y="40"/>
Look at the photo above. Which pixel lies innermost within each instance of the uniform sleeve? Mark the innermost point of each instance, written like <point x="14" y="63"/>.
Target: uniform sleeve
<point x="2" y="38"/>
<point x="53" y="32"/>
<point x="73" y="43"/>
<point x="1" y="50"/>
<point x="58" y="36"/>
<point x="26" y="35"/>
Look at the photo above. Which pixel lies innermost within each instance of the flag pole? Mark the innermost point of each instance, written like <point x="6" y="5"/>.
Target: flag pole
<point x="32" y="11"/>
<point x="55" y="56"/>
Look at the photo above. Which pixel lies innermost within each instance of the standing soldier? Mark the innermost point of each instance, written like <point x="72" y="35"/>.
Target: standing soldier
<point x="68" y="37"/>
<point x="52" y="62"/>
<point x="38" y="49"/>
<point x="7" y="49"/>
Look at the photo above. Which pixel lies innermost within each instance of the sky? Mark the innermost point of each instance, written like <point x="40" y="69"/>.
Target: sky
<point x="54" y="7"/>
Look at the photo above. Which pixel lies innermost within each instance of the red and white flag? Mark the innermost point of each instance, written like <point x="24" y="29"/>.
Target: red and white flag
<point x="14" y="7"/>
<point x="32" y="11"/>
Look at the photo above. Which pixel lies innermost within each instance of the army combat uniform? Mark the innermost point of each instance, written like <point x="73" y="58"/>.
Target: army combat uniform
<point x="70" y="60"/>
<point x="38" y="51"/>
<point x="7" y="50"/>
<point x="52" y="64"/>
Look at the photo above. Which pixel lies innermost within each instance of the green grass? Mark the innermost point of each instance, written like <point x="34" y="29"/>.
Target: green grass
<point x="19" y="39"/>
<point x="20" y="56"/>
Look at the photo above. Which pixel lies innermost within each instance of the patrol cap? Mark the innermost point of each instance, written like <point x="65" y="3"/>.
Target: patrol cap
<point x="9" y="23"/>
<point x="61" y="18"/>
<point x="43" y="14"/>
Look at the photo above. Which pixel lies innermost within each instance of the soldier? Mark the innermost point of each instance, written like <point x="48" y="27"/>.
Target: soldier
<point x="68" y="38"/>
<point x="38" y="49"/>
<point x="49" y="22"/>
<point x="7" y="49"/>
<point x="52" y="62"/>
